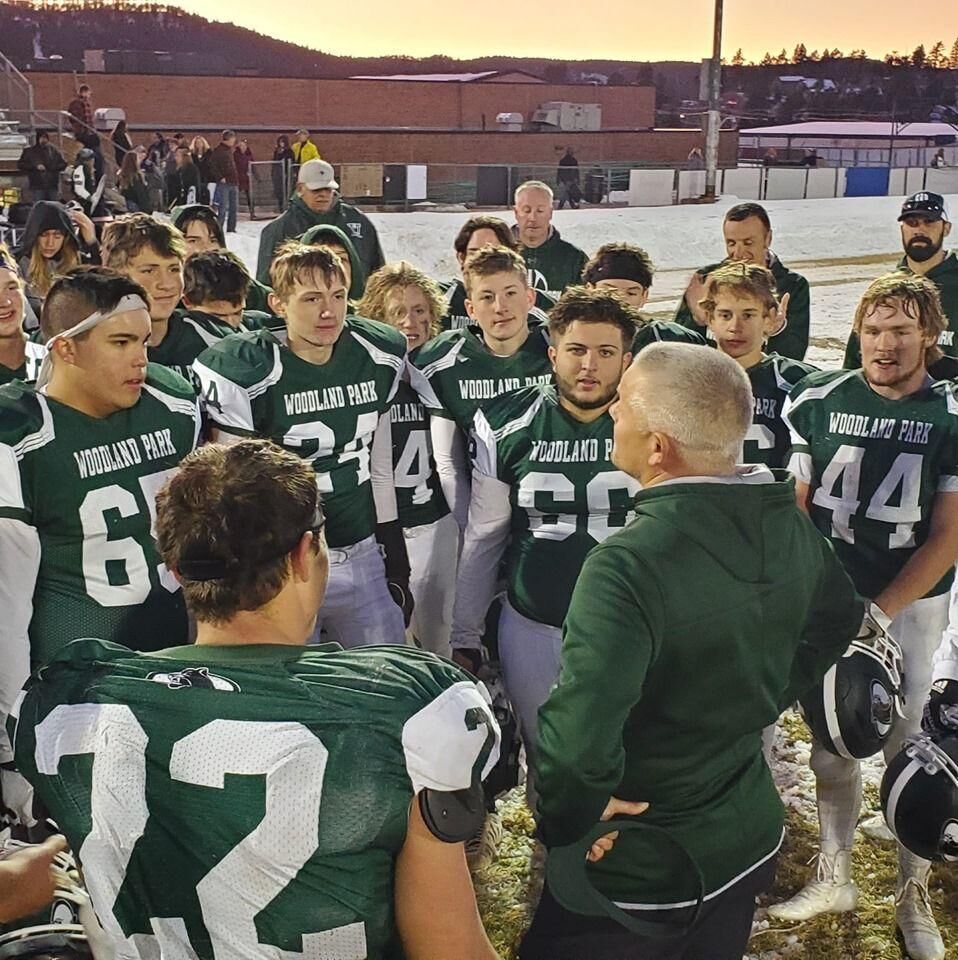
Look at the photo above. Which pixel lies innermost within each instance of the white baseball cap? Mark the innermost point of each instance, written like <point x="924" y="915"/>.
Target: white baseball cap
<point x="318" y="175"/>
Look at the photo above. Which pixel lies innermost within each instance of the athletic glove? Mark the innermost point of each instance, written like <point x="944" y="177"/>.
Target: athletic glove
<point x="393" y="545"/>
<point x="940" y="716"/>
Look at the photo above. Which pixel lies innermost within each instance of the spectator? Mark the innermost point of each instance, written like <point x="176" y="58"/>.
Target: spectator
<point x="84" y="179"/>
<point x="42" y="163"/>
<point x="695" y="159"/>
<point x="157" y="149"/>
<point x="938" y="160"/>
<point x="282" y="161"/>
<point x="185" y="186"/>
<point x="568" y="180"/>
<point x="553" y="263"/>
<point x="226" y="191"/>
<point x="770" y="158"/>
<point x="243" y="157"/>
<point x="201" y="152"/>
<point x="122" y="144"/>
<point x="332" y="238"/>
<point x="132" y="185"/>
<point x="55" y="240"/>
<point x="81" y="121"/>
<point x="318" y="202"/>
<point x="810" y="159"/>
<point x="304" y="149"/>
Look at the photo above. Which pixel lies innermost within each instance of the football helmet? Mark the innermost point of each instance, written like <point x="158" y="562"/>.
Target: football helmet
<point x="852" y="710"/>
<point x="58" y="932"/>
<point x="919" y="797"/>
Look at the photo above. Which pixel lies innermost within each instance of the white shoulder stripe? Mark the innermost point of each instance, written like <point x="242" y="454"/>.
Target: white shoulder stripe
<point x="42" y="437"/>
<point x="173" y="404"/>
<point x="522" y="421"/>
<point x="819" y="393"/>
<point x="382" y="357"/>
<point x="271" y="378"/>
<point x="208" y="338"/>
<point x="444" y="362"/>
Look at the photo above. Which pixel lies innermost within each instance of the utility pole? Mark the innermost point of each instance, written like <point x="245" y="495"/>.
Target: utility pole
<point x="715" y="115"/>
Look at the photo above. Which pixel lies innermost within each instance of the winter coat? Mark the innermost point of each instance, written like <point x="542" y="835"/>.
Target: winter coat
<point x="305" y="151"/>
<point x="316" y="236"/>
<point x="242" y="159"/>
<point x="222" y="165"/>
<point x="181" y="181"/>
<point x="50" y="158"/>
<point x="203" y="162"/>
<point x="299" y="218"/>
<point x="137" y="196"/>
<point x="122" y="145"/>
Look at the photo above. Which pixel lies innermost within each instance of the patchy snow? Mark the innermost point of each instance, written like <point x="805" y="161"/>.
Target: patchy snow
<point x="834" y="243"/>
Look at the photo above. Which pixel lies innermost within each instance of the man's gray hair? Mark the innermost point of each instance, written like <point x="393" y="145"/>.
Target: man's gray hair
<point x="700" y="398"/>
<point x="533" y="185"/>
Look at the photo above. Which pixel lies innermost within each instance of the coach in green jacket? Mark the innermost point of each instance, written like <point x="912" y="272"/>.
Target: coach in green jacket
<point x="317" y="202"/>
<point x="689" y="631"/>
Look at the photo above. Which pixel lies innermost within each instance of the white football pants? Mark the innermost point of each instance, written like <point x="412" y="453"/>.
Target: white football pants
<point x="838" y="781"/>
<point x="358" y="610"/>
<point x="433" y="550"/>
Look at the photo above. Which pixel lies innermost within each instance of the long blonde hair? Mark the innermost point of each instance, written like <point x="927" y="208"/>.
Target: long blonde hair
<point x="397" y="276"/>
<point x="40" y="271"/>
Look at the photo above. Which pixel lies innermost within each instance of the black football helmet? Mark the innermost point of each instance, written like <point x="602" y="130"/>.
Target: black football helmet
<point x="852" y="710"/>
<point x="919" y="797"/>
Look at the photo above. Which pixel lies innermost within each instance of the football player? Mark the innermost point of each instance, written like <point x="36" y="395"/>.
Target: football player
<point x="742" y="312"/>
<point x="627" y="271"/>
<point x="876" y="459"/>
<point x="405" y="298"/>
<point x="151" y="254"/>
<point x="460" y="370"/>
<point x="322" y="389"/>
<point x="544" y="493"/>
<point x="302" y="801"/>
<point x="20" y="358"/>
<point x="82" y="456"/>
<point x="477" y="232"/>
<point x="215" y="284"/>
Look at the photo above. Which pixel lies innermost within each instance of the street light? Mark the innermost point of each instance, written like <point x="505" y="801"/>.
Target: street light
<point x="715" y="117"/>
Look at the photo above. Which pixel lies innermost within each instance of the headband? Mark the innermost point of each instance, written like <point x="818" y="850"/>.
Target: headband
<point x="620" y="265"/>
<point x="126" y="304"/>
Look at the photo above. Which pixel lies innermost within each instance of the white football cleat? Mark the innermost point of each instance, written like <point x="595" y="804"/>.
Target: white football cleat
<point x="916" y="922"/>
<point x="832" y="891"/>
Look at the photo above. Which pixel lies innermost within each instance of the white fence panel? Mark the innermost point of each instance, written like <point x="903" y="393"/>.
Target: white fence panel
<point x="744" y="182"/>
<point x="914" y="180"/>
<point x="691" y="184"/>
<point x="896" y="182"/>
<point x="785" y="184"/>
<point x="824" y="183"/>
<point x="651" y="188"/>
<point x="942" y="181"/>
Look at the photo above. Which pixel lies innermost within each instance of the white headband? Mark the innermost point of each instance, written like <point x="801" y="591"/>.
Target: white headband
<point x="127" y="304"/>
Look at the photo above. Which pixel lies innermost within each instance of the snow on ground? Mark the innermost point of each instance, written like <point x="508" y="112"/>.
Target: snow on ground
<point x="839" y="244"/>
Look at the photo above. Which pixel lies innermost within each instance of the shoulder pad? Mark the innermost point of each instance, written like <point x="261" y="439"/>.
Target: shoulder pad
<point x="453" y="816"/>
<point x="436" y="348"/>
<point x="169" y="381"/>
<point x="20" y="412"/>
<point x="380" y="334"/>
<point x="515" y="405"/>
<point x="245" y="358"/>
<point x="793" y="370"/>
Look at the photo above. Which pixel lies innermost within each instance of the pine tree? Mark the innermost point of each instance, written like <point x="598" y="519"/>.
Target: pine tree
<point x="936" y="55"/>
<point x="783" y="56"/>
<point x="739" y="59"/>
<point x="918" y="58"/>
<point x="814" y="55"/>
<point x="801" y="54"/>
<point x="767" y="60"/>
<point x="953" y="59"/>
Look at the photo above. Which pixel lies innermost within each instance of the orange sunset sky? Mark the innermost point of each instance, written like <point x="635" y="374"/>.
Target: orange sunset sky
<point x="574" y="29"/>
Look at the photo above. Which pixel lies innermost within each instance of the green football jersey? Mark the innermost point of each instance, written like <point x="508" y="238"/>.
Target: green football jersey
<point x="187" y="336"/>
<point x="247" y="802"/>
<point x="665" y="331"/>
<point x="456" y="318"/>
<point x="456" y="373"/>
<point x="254" y="385"/>
<point x="29" y="369"/>
<point x="874" y="467"/>
<point x="419" y="496"/>
<point x="85" y="489"/>
<point x="772" y="379"/>
<point x="565" y="494"/>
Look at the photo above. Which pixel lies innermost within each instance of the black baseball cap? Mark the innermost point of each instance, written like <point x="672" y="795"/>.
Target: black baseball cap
<point x="931" y="206"/>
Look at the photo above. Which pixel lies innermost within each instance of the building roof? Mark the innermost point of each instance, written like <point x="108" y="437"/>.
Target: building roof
<point x="453" y="77"/>
<point x="852" y="128"/>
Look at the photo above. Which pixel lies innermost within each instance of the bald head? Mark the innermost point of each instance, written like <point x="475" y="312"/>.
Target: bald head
<point x="686" y="407"/>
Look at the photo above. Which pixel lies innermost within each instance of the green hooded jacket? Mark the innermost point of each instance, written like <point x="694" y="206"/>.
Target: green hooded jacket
<point x="688" y="633"/>
<point x="325" y="233"/>
<point x="554" y="264"/>
<point x="298" y="218"/>
<point x="945" y="278"/>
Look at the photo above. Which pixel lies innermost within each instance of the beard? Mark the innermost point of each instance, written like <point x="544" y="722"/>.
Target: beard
<point x="921" y="249"/>
<point x="567" y="390"/>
